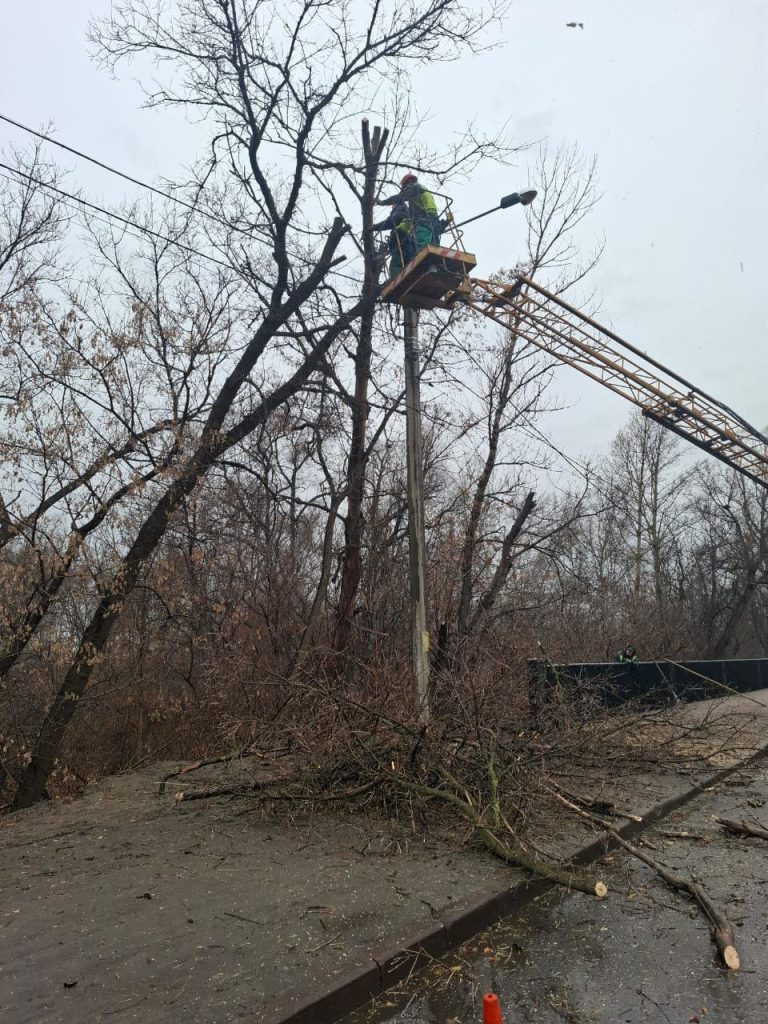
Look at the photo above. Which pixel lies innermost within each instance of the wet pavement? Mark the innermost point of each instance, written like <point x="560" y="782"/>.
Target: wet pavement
<point x="125" y="904"/>
<point x="641" y="956"/>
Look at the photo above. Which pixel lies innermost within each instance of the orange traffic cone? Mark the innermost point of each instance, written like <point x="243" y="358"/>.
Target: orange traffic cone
<point x="491" y="1009"/>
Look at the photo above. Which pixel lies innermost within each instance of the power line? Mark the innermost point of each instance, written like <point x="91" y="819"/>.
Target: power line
<point x="93" y="160"/>
<point x="115" y="216"/>
<point x="142" y="184"/>
<point x="137" y="232"/>
<point x="122" y="174"/>
<point x="130" y="223"/>
<point x="70" y="206"/>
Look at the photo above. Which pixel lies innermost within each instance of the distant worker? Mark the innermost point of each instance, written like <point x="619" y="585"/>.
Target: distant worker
<point x="627" y="656"/>
<point x="413" y="221"/>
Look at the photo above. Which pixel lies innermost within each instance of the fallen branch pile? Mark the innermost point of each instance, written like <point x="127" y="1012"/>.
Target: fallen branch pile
<point x="498" y="778"/>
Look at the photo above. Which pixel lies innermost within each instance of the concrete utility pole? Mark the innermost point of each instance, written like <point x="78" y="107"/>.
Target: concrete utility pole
<point x="416" y="546"/>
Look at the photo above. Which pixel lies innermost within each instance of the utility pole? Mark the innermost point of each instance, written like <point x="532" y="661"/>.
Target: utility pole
<point x="416" y="546"/>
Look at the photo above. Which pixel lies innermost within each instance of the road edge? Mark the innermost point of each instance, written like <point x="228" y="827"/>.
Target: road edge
<point x="390" y="964"/>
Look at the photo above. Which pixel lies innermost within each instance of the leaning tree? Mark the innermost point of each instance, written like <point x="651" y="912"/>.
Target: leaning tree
<point x="280" y="86"/>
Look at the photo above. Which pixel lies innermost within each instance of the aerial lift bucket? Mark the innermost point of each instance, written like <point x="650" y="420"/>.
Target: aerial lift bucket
<point x="437" y="276"/>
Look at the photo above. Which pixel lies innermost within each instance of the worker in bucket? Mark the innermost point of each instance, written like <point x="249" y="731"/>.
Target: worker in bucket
<point x="413" y="221"/>
<point x="401" y="244"/>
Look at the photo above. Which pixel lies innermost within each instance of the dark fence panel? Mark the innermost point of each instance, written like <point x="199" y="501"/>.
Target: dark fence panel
<point x="652" y="683"/>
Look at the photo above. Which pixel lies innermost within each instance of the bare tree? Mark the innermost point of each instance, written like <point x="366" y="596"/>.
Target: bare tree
<point x="373" y="149"/>
<point x="567" y="183"/>
<point x="728" y="573"/>
<point x="33" y="217"/>
<point x="514" y="382"/>
<point x="82" y="435"/>
<point x="278" y="83"/>
<point x="645" y="484"/>
<point x="513" y="391"/>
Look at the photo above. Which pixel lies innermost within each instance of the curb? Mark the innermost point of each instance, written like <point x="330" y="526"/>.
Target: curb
<point x="390" y="964"/>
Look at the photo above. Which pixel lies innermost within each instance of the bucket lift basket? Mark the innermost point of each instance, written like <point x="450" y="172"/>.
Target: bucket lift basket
<point x="437" y="276"/>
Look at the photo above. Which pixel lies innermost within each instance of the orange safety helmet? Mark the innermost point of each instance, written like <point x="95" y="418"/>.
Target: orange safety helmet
<point x="407" y="179"/>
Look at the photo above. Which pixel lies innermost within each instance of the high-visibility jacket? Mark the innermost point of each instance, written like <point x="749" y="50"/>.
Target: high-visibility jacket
<point x="421" y="202"/>
<point x="421" y="207"/>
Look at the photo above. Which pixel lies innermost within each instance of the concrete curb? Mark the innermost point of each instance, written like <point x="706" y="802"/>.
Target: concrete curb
<point x="389" y="965"/>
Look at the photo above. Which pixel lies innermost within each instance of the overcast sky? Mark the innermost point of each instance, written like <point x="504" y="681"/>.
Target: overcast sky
<point x="670" y="97"/>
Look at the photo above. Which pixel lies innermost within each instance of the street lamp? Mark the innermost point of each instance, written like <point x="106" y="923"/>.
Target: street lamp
<point x="415" y="485"/>
<point x="523" y="198"/>
<point x="526" y="198"/>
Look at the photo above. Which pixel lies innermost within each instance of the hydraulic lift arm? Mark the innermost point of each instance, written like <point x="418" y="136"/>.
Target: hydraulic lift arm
<point x="546" y="321"/>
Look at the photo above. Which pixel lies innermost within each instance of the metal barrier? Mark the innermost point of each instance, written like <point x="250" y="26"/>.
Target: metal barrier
<point x="651" y="683"/>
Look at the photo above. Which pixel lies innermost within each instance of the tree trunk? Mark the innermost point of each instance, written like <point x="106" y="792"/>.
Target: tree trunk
<point x="488" y="599"/>
<point x="48" y="746"/>
<point x="319" y="599"/>
<point x="25" y="628"/>
<point x="639" y="528"/>
<point x="358" y="456"/>
<point x="478" y="500"/>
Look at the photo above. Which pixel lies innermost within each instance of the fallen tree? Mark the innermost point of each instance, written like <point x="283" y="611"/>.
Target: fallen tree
<point x="497" y="779"/>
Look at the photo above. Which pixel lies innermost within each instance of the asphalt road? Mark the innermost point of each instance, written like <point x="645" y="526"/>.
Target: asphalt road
<point x="122" y="907"/>
<point x="641" y="956"/>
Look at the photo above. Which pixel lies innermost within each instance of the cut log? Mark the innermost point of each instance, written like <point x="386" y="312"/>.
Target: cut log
<point x="206" y="794"/>
<point x="722" y="931"/>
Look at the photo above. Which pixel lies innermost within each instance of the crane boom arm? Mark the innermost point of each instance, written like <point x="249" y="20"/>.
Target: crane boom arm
<point x="546" y="321"/>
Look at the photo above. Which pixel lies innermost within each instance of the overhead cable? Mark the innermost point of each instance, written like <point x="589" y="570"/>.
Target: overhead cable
<point x="122" y="174"/>
<point x="128" y="222"/>
<point x="138" y="181"/>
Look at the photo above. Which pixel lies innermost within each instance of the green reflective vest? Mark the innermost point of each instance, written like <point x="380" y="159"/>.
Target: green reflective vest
<point x="421" y="202"/>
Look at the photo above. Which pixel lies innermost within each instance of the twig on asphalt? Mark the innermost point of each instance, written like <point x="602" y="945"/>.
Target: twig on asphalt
<point x="722" y="931"/>
<point x="742" y="828"/>
<point x="322" y="945"/>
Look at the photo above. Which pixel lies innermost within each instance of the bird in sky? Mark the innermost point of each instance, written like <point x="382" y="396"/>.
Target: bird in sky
<point x="574" y="24"/>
